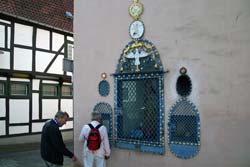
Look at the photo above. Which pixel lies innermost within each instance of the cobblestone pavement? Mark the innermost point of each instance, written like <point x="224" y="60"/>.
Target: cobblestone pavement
<point x="30" y="158"/>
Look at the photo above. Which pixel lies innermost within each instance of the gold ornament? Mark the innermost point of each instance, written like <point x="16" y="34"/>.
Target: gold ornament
<point x="136" y="9"/>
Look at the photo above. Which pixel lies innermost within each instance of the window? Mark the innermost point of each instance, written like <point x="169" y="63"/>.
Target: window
<point x="184" y="129"/>
<point x="106" y="111"/>
<point x="67" y="90"/>
<point x="50" y="90"/>
<point x="70" y="51"/>
<point x="2" y="88"/>
<point x="139" y="99"/>
<point x="139" y="114"/>
<point x="19" y="89"/>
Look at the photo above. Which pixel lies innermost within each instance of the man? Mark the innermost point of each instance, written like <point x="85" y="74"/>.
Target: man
<point x="52" y="146"/>
<point x="98" y="156"/>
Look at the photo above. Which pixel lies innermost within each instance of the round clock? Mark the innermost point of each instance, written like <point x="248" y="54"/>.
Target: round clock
<point x="135" y="9"/>
<point x="136" y="29"/>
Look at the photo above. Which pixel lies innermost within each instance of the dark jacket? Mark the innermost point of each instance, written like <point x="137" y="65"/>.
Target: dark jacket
<point x="52" y="145"/>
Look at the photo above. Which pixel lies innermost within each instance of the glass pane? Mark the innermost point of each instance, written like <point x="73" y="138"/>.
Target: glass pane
<point x="70" y="51"/>
<point x="20" y="89"/>
<point x="1" y="88"/>
<point x="66" y="91"/>
<point x="139" y="103"/>
<point x="50" y="90"/>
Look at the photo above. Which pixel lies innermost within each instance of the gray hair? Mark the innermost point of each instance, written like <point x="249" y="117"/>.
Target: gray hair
<point x="61" y="114"/>
<point x="95" y="116"/>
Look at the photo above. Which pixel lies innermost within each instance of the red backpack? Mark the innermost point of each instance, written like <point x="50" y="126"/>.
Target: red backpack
<point x="94" y="138"/>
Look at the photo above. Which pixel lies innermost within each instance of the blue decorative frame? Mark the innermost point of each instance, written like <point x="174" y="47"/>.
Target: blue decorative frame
<point x="104" y="88"/>
<point x="145" y="146"/>
<point x="184" y="112"/>
<point x="150" y="63"/>
<point x="150" y="67"/>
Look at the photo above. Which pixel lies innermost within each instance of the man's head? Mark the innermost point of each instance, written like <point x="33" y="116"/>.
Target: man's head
<point x="95" y="116"/>
<point x="61" y="118"/>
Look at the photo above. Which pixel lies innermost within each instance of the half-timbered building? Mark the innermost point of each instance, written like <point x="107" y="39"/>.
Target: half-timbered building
<point x="36" y="38"/>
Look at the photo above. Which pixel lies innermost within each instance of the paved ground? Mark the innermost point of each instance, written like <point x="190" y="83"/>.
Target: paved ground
<point x="28" y="157"/>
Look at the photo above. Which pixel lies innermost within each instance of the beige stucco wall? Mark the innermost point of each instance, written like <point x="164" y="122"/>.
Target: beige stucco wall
<point x="211" y="38"/>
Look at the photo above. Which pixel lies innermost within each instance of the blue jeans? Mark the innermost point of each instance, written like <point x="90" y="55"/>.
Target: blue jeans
<point x="49" y="164"/>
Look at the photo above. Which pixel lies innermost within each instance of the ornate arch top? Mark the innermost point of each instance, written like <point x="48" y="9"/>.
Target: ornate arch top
<point x="139" y="56"/>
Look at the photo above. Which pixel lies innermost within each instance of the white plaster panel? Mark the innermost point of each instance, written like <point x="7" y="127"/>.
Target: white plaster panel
<point x="52" y="82"/>
<point x="35" y="106"/>
<point x="42" y="39"/>
<point x="9" y="35"/>
<point x="19" y="111"/>
<point x="18" y="129"/>
<point x="68" y="125"/>
<point x="57" y="41"/>
<point x="2" y="108"/>
<point x="23" y="34"/>
<point x="3" y="78"/>
<point x="2" y="36"/>
<point x="69" y="73"/>
<point x="19" y="79"/>
<point x="22" y="59"/>
<point x="66" y="83"/>
<point x="67" y="105"/>
<point x="50" y="108"/>
<point x="2" y="129"/>
<point x="5" y="60"/>
<point x="42" y="60"/>
<point x="57" y="66"/>
<point x="4" y="21"/>
<point x="37" y="127"/>
<point x="35" y="84"/>
<point x="70" y="38"/>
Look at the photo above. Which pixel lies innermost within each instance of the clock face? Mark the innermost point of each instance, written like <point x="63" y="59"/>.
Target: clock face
<point x="135" y="10"/>
<point x="136" y="29"/>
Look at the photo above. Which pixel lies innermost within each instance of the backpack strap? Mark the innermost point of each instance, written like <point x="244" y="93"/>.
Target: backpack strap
<point x="91" y="126"/>
<point x="98" y="126"/>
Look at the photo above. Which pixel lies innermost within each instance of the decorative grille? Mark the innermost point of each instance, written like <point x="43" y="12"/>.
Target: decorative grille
<point x="184" y="85"/>
<point x="135" y="64"/>
<point x="106" y="111"/>
<point x="139" y="112"/>
<point x="104" y="88"/>
<point x="184" y="129"/>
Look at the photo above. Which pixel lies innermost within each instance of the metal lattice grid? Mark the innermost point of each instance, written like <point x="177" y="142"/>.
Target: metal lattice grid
<point x="184" y="129"/>
<point x="139" y="116"/>
<point x="106" y="111"/>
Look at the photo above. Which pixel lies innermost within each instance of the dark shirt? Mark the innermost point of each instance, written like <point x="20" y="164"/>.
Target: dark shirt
<point x="52" y="146"/>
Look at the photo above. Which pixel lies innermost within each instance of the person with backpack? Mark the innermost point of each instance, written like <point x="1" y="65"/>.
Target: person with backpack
<point x="95" y="141"/>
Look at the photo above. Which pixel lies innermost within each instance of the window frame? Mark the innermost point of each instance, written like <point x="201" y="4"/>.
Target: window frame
<point x="145" y="145"/>
<point x="70" y="44"/>
<point x="4" y="83"/>
<point x="51" y="96"/>
<point x="71" y="91"/>
<point x="22" y="83"/>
